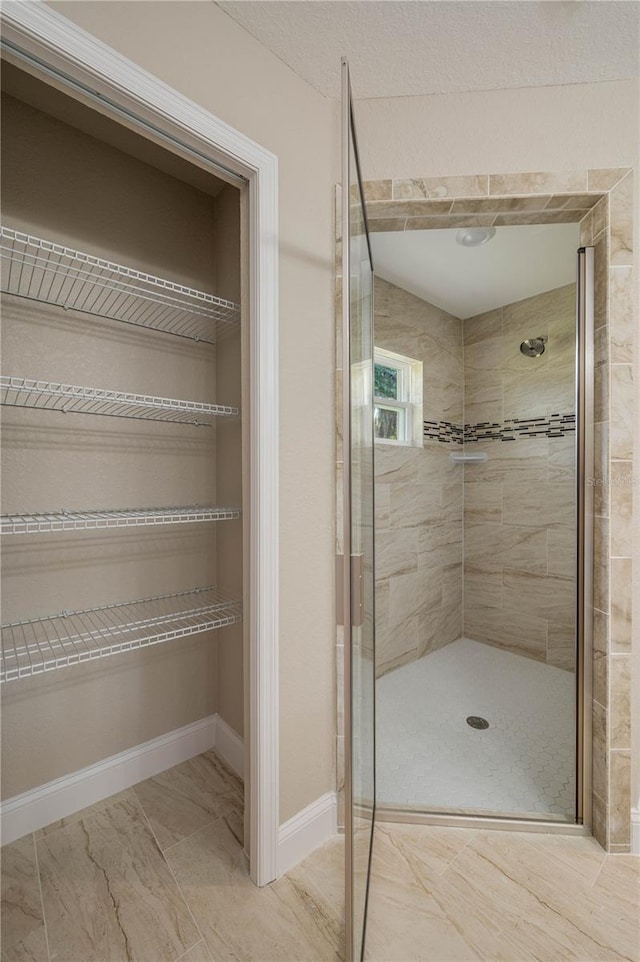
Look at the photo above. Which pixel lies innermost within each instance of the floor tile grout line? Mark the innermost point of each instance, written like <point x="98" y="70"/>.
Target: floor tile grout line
<point x="185" y="954"/>
<point x="595" y="881"/>
<point x="173" y="876"/>
<point x="215" y="818"/>
<point x="44" y="917"/>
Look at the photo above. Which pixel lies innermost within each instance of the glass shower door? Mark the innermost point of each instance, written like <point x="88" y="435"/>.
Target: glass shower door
<point x="358" y="576"/>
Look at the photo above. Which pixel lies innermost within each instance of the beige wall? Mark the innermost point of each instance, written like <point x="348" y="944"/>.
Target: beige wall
<point x="61" y="184"/>
<point x="419" y="491"/>
<point x="197" y="49"/>
<point x="519" y="506"/>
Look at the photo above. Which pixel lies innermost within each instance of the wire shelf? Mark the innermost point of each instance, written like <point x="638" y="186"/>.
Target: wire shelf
<point x="72" y="399"/>
<point x="43" y="271"/>
<point x="53" y="521"/>
<point x="72" y="637"/>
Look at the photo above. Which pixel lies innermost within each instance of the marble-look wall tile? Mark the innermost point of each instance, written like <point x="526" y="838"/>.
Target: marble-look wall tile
<point x="620" y="710"/>
<point x="621" y="309"/>
<point x="586" y="230"/>
<point x="621" y="213"/>
<point x="622" y="401"/>
<point x="472" y="186"/>
<point x="601" y="554"/>
<point x="540" y="182"/>
<point x="600" y="736"/>
<point x="500" y="205"/>
<point x="562" y="459"/>
<point x="451" y="221"/>
<point x="438" y="628"/>
<point x="600" y="821"/>
<point x="519" y="632"/>
<point x="517" y="546"/>
<point x="620" y="798"/>
<point x="571" y="201"/>
<point x="482" y="326"/>
<point x="414" y="208"/>
<point x="439" y="545"/>
<point x="23" y="929"/>
<point x="600" y="469"/>
<point x="551" y="503"/>
<point x="567" y="216"/>
<point x="601" y="280"/>
<point x="561" y="550"/>
<point x="551" y="597"/>
<point x="382" y="224"/>
<point x="606" y="178"/>
<point x="621" y="600"/>
<point x="601" y="216"/>
<point x="482" y="502"/>
<point x="621" y="500"/>
<point x="377" y="189"/>
<point x="600" y="660"/>
<point x="483" y="587"/>
<point x="396" y="552"/>
<point x="561" y="646"/>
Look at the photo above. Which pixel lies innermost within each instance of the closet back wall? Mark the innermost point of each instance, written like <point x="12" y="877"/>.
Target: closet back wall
<point x="61" y="184"/>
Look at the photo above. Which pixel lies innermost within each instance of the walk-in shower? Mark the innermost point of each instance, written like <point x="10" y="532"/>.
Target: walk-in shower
<point x="479" y="670"/>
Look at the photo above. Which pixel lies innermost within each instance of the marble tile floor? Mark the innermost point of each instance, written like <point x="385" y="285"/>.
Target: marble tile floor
<point x="157" y="874"/>
<point x="458" y="895"/>
<point x="428" y="757"/>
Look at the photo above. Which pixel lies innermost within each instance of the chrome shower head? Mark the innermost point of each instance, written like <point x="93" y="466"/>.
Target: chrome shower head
<point x="533" y="346"/>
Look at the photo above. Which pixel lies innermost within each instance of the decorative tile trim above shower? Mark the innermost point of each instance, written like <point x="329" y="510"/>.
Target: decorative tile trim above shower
<point x="546" y="426"/>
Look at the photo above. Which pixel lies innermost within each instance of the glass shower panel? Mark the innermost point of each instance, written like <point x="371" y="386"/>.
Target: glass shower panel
<point x="358" y="538"/>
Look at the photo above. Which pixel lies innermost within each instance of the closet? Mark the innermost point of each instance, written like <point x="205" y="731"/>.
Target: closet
<point x="122" y="441"/>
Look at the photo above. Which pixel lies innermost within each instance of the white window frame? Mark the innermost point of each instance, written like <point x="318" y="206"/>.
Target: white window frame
<point x="409" y="398"/>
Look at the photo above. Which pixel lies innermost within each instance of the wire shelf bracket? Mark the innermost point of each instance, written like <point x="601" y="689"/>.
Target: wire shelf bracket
<point x="73" y="637"/>
<point x="41" y="270"/>
<point x="73" y="399"/>
<point x="55" y="521"/>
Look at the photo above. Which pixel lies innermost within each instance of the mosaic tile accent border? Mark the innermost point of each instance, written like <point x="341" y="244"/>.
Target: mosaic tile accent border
<point x="445" y="431"/>
<point x="551" y="426"/>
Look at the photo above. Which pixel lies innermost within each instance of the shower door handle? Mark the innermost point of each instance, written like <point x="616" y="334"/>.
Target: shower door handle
<point x="357" y="590"/>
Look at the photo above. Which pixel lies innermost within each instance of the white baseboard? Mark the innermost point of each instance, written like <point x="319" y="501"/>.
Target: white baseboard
<point x="229" y="746"/>
<point x="306" y="831"/>
<point x="63" y="797"/>
<point x="635" y="831"/>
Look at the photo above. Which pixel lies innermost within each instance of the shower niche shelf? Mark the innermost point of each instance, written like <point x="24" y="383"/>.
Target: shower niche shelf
<point x="73" y="399"/>
<point x="61" y="521"/>
<point x="73" y="637"/>
<point x="43" y="271"/>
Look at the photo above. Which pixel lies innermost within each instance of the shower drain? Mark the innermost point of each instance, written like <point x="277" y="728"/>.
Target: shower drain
<point x="476" y="722"/>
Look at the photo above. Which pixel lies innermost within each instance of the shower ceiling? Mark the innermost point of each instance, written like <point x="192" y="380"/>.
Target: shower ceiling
<point x="518" y="262"/>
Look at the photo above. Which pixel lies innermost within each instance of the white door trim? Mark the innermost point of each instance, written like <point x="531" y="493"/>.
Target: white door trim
<point x="114" y="84"/>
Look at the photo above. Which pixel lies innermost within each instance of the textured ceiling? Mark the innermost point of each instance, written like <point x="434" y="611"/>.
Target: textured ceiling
<point x="398" y="48"/>
<point x="517" y="263"/>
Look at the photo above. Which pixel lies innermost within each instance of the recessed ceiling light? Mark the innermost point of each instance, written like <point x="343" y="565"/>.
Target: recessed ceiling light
<point x="475" y="236"/>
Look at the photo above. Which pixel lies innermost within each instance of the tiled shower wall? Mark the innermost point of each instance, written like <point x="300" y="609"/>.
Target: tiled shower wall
<point x="544" y="197"/>
<point x="609" y="228"/>
<point x="519" y="505"/>
<point x="419" y="491"/>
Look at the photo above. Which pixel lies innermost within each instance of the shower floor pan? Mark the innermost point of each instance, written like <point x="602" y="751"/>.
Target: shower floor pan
<point x="430" y="759"/>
